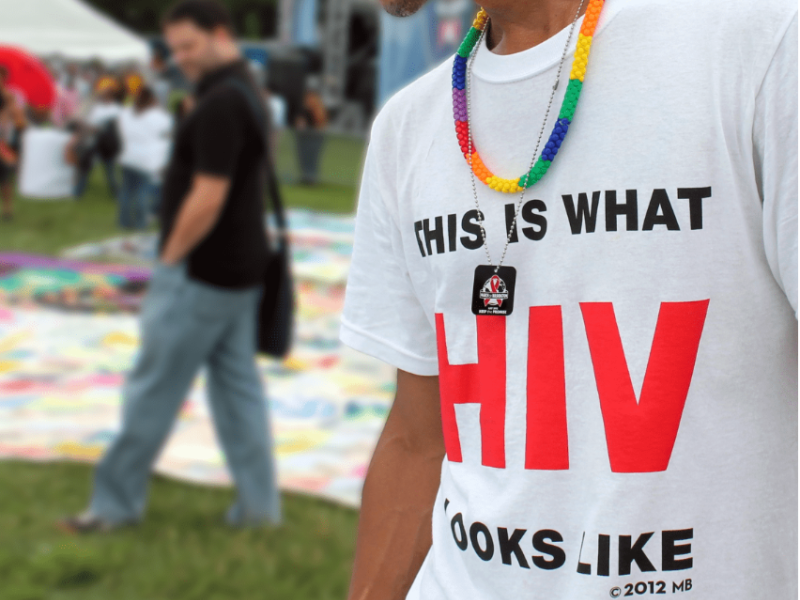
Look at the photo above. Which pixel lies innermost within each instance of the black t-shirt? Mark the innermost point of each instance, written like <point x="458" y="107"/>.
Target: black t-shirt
<point x="221" y="137"/>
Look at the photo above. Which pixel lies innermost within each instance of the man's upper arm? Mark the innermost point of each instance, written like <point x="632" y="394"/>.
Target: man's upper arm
<point x="415" y="414"/>
<point x="210" y="190"/>
<point x="383" y="314"/>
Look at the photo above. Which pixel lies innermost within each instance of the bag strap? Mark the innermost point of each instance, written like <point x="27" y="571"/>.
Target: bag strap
<point x="273" y="190"/>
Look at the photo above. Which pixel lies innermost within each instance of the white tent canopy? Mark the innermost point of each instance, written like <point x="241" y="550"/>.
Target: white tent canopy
<point x="68" y="28"/>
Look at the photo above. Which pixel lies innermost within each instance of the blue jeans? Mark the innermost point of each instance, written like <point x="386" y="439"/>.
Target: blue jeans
<point x="185" y="325"/>
<point x="154" y="193"/>
<point x="309" y="150"/>
<point x="111" y="179"/>
<point x="135" y="198"/>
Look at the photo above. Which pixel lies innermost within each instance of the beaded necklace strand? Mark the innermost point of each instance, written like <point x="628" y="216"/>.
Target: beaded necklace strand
<point x="470" y="146"/>
<point x="566" y="114"/>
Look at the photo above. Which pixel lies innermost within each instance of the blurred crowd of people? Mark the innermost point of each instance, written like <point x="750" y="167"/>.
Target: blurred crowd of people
<point x="127" y="129"/>
<point x="122" y="119"/>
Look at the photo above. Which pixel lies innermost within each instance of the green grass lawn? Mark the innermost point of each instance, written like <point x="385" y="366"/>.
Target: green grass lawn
<point x="182" y="551"/>
<point x="47" y="227"/>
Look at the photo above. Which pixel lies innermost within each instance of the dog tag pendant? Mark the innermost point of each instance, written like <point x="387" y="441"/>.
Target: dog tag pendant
<point x="493" y="292"/>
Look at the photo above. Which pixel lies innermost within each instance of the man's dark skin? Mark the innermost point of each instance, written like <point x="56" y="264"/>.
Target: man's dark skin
<point x="394" y="531"/>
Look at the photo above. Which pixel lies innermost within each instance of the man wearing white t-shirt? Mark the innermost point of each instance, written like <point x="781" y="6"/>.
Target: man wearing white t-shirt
<point x="597" y="385"/>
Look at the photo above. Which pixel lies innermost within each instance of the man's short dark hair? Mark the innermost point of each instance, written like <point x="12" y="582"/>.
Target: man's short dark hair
<point x="206" y="14"/>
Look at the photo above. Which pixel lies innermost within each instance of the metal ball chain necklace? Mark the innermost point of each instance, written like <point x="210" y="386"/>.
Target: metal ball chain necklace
<point x="493" y="287"/>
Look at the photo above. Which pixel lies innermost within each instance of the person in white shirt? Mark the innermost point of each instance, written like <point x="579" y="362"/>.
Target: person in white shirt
<point x="145" y="129"/>
<point x="277" y="110"/>
<point x="100" y="133"/>
<point x="591" y="305"/>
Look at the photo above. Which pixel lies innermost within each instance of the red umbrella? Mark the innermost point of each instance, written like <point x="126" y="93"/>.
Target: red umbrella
<point x="28" y="75"/>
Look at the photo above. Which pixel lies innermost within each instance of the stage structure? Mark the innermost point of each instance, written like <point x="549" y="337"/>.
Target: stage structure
<point x="364" y="54"/>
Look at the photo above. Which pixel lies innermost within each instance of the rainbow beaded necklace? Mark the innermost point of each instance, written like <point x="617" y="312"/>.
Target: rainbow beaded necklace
<point x="567" y="112"/>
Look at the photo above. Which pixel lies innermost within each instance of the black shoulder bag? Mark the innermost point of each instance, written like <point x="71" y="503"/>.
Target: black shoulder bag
<point x="276" y="310"/>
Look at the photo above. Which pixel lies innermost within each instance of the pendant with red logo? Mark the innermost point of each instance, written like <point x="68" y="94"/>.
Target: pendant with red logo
<point x="493" y="290"/>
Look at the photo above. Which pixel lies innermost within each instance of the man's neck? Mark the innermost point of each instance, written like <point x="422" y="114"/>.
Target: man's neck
<point x="226" y="63"/>
<point x="517" y="26"/>
<point x="227" y="54"/>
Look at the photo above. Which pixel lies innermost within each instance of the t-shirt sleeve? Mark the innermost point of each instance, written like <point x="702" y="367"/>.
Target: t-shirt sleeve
<point x="383" y="317"/>
<point x="219" y="135"/>
<point x="775" y="145"/>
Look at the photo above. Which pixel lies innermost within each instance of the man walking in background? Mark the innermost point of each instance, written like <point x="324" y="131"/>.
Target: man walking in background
<point x="202" y="304"/>
<point x="309" y="132"/>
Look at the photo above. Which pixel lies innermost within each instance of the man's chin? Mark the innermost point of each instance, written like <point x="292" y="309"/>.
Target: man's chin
<point x="402" y="8"/>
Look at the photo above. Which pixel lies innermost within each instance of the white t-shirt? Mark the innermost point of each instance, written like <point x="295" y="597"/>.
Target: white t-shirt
<point x="102" y="112"/>
<point x="634" y="419"/>
<point x="277" y="107"/>
<point x="146" y="142"/>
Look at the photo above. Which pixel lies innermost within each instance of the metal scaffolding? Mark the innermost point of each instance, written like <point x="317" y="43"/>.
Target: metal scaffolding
<point x="334" y="51"/>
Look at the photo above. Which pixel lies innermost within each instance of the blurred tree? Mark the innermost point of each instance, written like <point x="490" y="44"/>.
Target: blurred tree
<point x="254" y="19"/>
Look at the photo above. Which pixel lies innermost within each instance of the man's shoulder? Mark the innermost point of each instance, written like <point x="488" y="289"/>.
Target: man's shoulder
<point x="723" y="11"/>
<point x="225" y="96"/>
<point x="727" y="40"/>
<point x="423" y="97"/>
<point x="747" y="33"/>
<point x="761" y="20"/>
